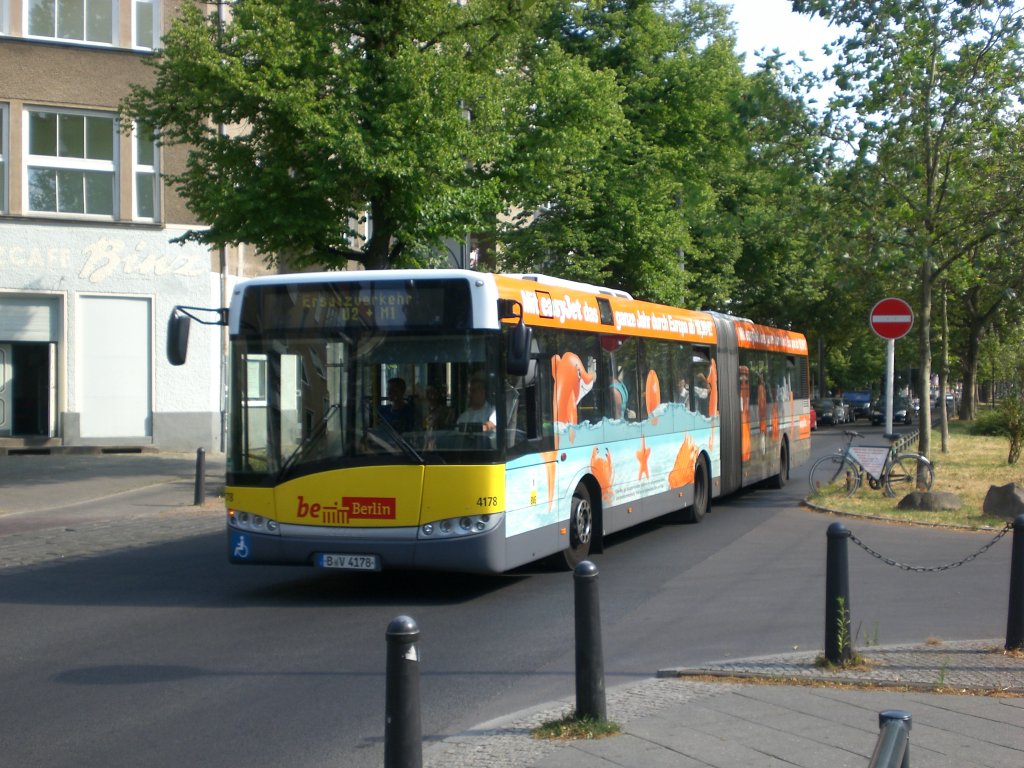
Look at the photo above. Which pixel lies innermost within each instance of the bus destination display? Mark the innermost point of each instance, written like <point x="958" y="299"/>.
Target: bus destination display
<point x="354" y="306"/>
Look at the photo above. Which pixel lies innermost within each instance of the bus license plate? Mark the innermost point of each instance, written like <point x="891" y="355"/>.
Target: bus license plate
<point x="349" y="562"/>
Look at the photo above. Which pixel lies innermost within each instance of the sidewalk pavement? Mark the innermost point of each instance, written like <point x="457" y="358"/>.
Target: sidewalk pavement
<point x="61" y="506"/>
<point x="966" y="699"/>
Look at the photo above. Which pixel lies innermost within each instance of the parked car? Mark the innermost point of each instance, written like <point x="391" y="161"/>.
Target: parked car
<point x="826" y="411"/>
<point x="860" y="404"/>
<point x="902" y="412"/>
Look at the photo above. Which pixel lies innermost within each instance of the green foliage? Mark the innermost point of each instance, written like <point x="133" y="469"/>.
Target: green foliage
<point x="433" y="117"/>
<point x="646" y="215"/>
<point x="616" y="143"/>
<point x="989" y="423"/>
<point x="927" y="99"/>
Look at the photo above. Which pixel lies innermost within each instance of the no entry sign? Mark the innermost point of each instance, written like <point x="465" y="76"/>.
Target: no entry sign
<point x="892" y="318"/>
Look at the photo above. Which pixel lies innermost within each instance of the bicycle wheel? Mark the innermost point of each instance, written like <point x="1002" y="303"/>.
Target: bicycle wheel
<point x="909" y="472"/>
<point x="834" y="475"/>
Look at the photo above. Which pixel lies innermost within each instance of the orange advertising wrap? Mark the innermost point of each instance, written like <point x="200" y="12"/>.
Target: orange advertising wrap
<point x="752" y="336"/>
<point x="561" y="306"/>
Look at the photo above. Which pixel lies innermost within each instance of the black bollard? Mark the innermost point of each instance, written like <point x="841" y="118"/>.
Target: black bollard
<point x="200" y="494"/>
<point x="403" y="744"/>
<point x="1015" y="616"/>
<point x="893" y="745"/>
<point x="838" y="643"/>
<point x="590" y="698"/>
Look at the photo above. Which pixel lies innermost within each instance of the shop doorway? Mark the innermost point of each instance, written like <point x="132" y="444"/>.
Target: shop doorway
<point x="6" y="393"/>
<point x="27" y="392"/>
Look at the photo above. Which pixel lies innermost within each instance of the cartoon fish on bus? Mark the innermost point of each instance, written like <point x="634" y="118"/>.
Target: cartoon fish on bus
<point x="712" y="400"/>
<point x="686" y="461"/>
<point x="762" y="405"/>
<point x="572" y="383"/>
<point x="653" y="395"/>
<point x="601" y="468"/>
<point x="744" y="413"/>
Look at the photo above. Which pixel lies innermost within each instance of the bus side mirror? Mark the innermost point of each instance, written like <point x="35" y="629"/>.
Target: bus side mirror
<point x="177" y="337"/>
<point x="517" y="361"/>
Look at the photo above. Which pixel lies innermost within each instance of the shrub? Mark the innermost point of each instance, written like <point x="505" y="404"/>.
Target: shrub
<point x="989" y="423"/>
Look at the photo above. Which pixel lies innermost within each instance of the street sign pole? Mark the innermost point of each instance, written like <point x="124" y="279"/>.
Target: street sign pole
<point x="890" y="319"/>
<point x="890" y="369"/>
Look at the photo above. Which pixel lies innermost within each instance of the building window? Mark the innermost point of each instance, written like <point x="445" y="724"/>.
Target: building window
<point x="256" y="380"/>
<point x="147" y="174"/>
<point x="90" y="21"/>
<point x="146" y="23"/>
<point x="71" y="162"/>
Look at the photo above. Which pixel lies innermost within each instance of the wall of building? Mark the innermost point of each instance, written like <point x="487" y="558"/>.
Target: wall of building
<point x="107" y="265"/>
<point x="84" y="298"/>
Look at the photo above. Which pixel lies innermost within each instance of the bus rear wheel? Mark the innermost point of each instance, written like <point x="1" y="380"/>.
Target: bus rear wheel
<point x="701" y="495"/>
<point x="780" y="480"/>
<point x="581" y="527"/>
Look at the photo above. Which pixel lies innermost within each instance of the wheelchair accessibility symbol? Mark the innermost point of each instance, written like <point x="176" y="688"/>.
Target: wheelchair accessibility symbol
<point x="240" y="544"/>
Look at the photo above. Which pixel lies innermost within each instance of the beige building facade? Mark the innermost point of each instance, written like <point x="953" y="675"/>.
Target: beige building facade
<point x="89" y="271"/>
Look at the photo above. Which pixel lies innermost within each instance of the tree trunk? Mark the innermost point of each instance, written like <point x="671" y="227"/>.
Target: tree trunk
<point x="943" y="376"/>
<point x="382" y="228"/>
<point x="925" y="352"/>
<point x="968" y="402"/>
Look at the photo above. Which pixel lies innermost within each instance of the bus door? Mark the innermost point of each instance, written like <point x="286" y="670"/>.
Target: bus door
<point x="727" y="362"/>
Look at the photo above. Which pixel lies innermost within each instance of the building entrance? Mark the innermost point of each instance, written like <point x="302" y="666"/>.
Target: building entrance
<point x="26" y="390"/>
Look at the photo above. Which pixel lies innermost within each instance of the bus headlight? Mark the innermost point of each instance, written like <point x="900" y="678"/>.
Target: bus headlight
<point x="459" y="526"/>
<point x="246" y="521"/>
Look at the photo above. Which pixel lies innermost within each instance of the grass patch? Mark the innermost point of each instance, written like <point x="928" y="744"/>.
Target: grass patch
<point x="571" y="728"/>
<point x="972" y="464"/>
<point x="856" y="662"/>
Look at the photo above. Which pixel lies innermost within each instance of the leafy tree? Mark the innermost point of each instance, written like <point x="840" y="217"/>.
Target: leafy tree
<point x="922" y="83"/>
<point x="647" y="216"/>
<point x="302" y="118"/>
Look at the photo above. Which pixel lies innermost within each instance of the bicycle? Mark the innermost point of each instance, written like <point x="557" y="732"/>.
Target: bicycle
<point x="895" y="473"/>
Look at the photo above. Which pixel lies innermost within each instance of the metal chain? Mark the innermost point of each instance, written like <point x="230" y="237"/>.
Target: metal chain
<point x="934" y="568"/>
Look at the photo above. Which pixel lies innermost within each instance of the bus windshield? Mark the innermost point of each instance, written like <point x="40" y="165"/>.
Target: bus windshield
<point x="304" y="403"/>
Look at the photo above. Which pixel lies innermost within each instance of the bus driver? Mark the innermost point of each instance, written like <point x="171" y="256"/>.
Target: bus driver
<point x="479" y="412"/>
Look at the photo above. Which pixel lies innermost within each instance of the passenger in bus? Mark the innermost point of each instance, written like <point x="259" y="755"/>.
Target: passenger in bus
<point x="437" y="414"/>
<point x="702" y="390"/>
<point x="683" y="392"/>
<point x="479" y="415"/>
<point x="620" y="397"/>
<point x="398" y="411"/>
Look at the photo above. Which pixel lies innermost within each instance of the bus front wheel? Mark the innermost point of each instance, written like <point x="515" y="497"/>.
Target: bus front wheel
<point x="581" y="527"/>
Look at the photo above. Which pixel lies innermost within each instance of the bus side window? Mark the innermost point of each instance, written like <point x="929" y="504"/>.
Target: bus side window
<point x="618" y="368"/>
<point x="659" y="379"/>
<point x="701" y="369"/>
<point x="573" y="369"/>
<point x="682" y="377"/>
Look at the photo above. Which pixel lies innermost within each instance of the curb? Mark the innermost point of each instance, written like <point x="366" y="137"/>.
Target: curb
<point x="899" y="521"/>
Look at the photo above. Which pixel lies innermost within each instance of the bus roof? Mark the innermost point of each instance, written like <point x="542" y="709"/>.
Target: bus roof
<point x="558" y="303"/>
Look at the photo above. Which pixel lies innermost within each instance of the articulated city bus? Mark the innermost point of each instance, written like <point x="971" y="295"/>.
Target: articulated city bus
<point x="457" y="420"/>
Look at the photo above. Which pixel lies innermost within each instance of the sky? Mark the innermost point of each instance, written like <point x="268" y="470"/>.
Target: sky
<point x="769" y="24"/>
